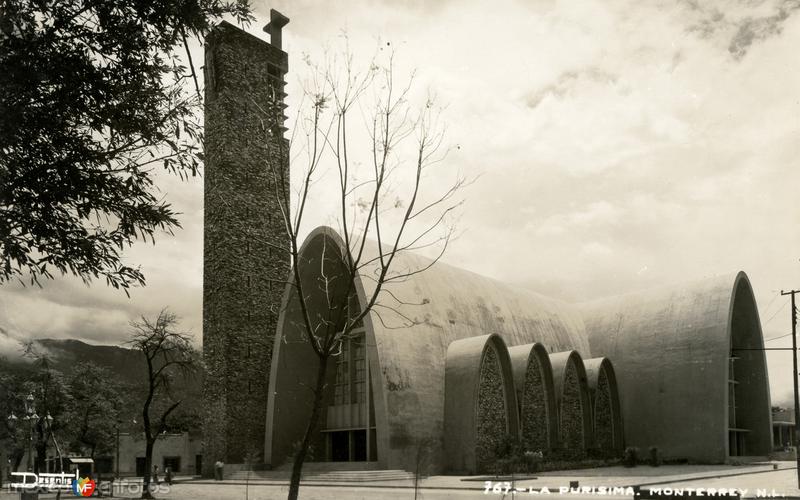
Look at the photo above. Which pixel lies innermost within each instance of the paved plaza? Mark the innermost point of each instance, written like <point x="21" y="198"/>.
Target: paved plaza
<point x="752" y="480"/>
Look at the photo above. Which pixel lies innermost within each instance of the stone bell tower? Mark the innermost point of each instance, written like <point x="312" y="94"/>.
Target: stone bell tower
<point x="245" y="244"/>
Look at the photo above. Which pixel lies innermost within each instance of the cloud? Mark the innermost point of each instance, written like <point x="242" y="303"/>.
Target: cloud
<point x="741" y="23"/>
<point x="566" y="82"/>
<point x="10" y="344"/>
<point x="751" y="30"/>
<point x="707" y="26"/>
<point x="595" y="215"/>
<point x="67" y="308"/>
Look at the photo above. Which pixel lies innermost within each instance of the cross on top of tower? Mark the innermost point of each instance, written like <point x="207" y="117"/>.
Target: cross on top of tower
<point x="276" y="22"/>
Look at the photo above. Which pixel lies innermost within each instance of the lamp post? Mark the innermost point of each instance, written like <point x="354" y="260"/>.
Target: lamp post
<point x="116" y="462"/>
<point x="12" y="425"/>
<point x="48" y="425"/>
<point x="11" y="421"/>
<point x="48" y="420"/>
<point x="31" y="417"/>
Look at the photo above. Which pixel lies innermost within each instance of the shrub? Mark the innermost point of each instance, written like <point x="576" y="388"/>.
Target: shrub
<point x="510" y="457"/>
<point x="566" y="455"/>
<point x="654" y="459"/>
<point x="533" y="460"/>
<point x="631" y="456"/>
<point x="602" y="454"/>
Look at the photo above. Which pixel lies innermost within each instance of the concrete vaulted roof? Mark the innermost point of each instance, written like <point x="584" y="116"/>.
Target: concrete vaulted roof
<point x="437" y="307"/>
<point x="407" y="339"/>
<point x="664" y="345"/>
<point x="670" y="348"/>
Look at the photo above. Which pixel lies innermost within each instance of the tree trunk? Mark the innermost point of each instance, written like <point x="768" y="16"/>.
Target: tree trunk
<point x="40" y="461"/>
<point x="300" y="456"/>
<point x="148" y="466"/>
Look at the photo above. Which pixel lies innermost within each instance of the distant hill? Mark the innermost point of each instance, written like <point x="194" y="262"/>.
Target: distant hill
<point x="127" y="364"/>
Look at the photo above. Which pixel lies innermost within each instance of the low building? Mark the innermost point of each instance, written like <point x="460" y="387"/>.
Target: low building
<point x="182" y="453"/>
<point x="783" y="429"/>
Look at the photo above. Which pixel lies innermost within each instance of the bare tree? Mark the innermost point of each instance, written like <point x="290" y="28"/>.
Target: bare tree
<point x="384" y="214"/>
<point x="169" y="356"/>
<point x="421" y="464"/>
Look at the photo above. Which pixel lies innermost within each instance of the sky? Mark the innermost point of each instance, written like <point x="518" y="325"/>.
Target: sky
<point x="615" y="146"/>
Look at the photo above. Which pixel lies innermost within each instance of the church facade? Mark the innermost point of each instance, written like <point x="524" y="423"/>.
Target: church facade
<point x="456" y="361"/>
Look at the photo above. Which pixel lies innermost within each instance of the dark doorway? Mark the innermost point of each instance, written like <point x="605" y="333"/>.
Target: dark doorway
<point x="373" y="445"/>
<point x="340" y="446"/>
<point x="736" y="443"/>
<point x="198" y="464"/>
<point x="174" y="464"/>
<point x="360" y="445"/>
<point x="140" y="466"/>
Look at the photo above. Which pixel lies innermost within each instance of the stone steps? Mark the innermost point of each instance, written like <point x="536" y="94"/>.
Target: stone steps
<point x="332" y="476"/>
<point x="332" y="466"/>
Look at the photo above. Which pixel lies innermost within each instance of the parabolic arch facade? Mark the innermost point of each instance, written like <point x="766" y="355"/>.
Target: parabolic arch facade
<point x="387" y="393"/>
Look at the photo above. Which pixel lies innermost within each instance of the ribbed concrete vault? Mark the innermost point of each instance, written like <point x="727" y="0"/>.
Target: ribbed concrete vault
<point x="533" y="378"/>
<point x="572" y="400"/>
<point x="480" y="403"/>
<point x="604" y="398"/>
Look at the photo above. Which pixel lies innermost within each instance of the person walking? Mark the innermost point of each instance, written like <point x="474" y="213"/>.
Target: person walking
<point x="168" y="475"/>
<point x="155" y="474"/>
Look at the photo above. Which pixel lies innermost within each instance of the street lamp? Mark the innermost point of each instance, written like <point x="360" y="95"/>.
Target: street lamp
<point x="12" y="421"/>
<point x="48" y="427"/>
<point x="48" y="422"/>
<point x="31" y="417"/>
<point x="12" y="425"/>
<point x="116" y="462"/>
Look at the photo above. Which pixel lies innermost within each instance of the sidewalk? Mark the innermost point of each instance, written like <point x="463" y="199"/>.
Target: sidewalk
<point x="752" y="480"/>
<point x="610" y="476"/>
<point x="749" y="479"/>
<point x="782" y="483"/>
<point x="599" y="477"/>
